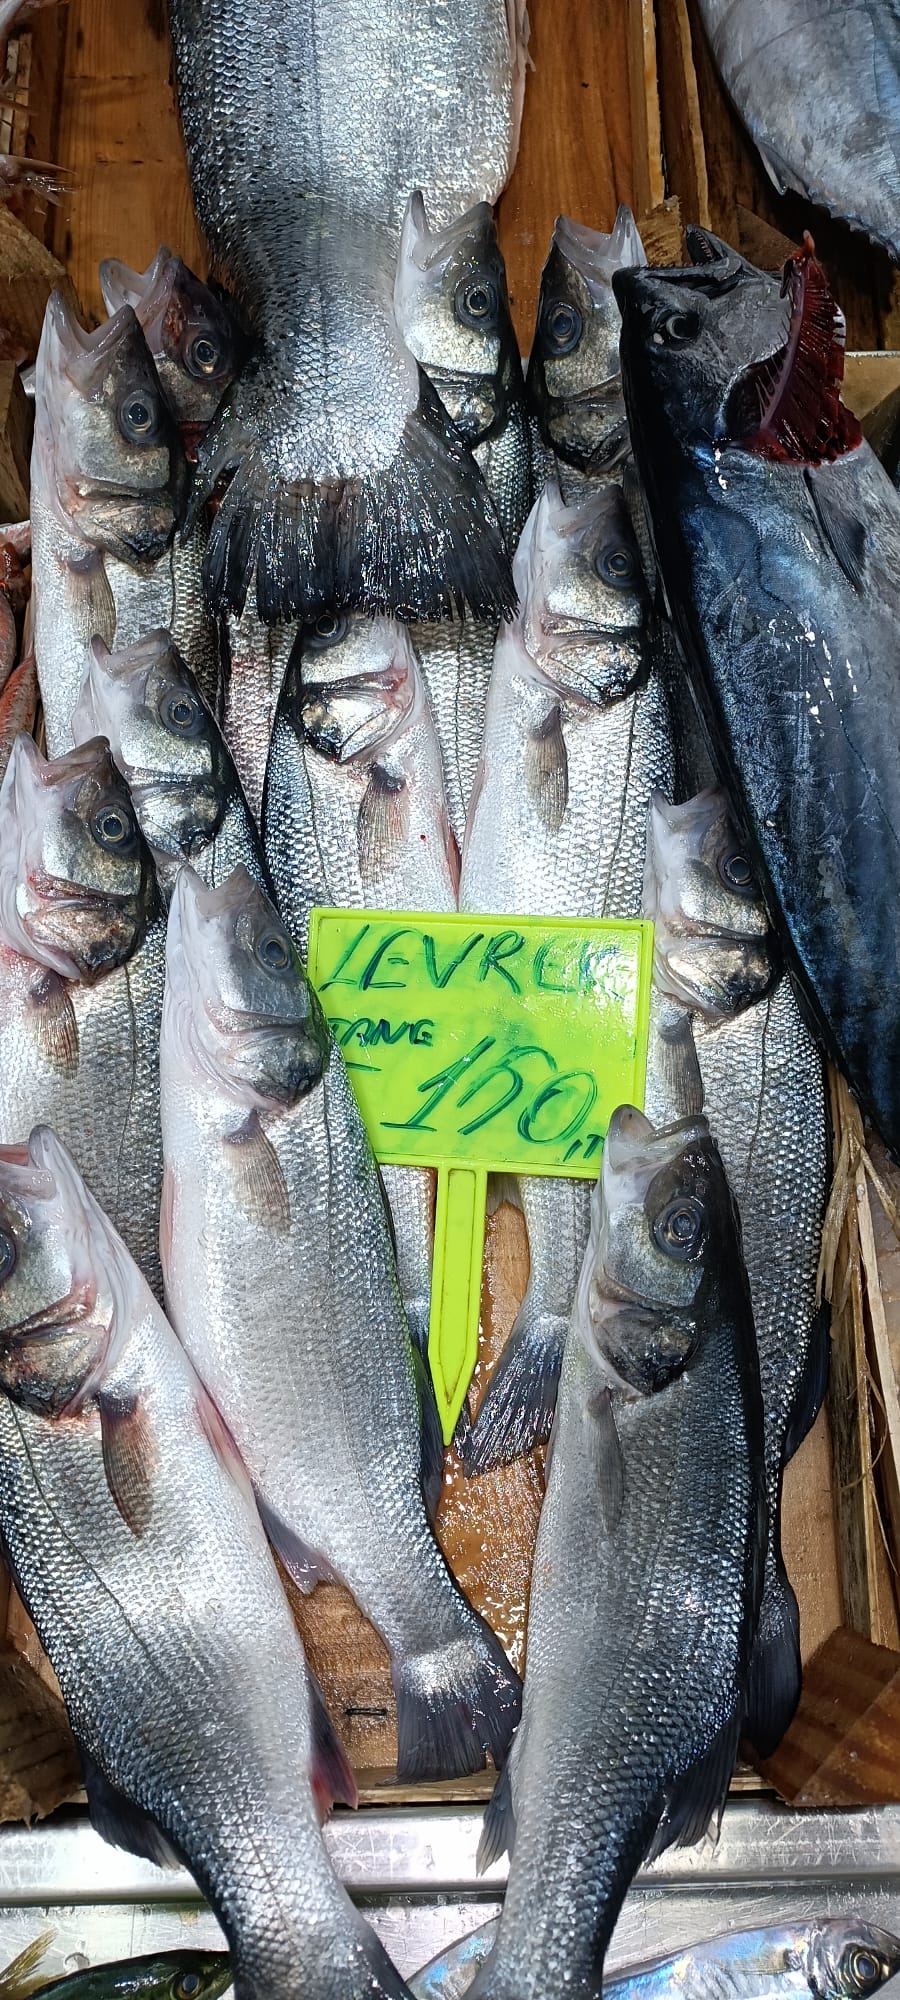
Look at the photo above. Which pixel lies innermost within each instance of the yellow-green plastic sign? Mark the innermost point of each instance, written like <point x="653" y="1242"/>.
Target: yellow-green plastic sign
<point x="482" y="1045"/>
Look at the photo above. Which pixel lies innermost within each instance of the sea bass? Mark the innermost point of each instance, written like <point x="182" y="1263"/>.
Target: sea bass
<point x="764" y="1096"/>
<point x="453" y="311"/>
<point x="132" y="1535"/>
<point x="291" y="1311"/>
<point x="577" y="738"/>
<point x="356" y="816"/>
<point x="184" y="788"/>
<point x="350" y="485"/>
<point x="82" y="958"/>
<point x="106" y="480"/>
<point x="254" y="660"/>
<point x="818" y="88"/>
<point x="783" y="573"/>
<point x="192" y="336"/>
<point x="648" y="1563"/>
<point x="172" y="1975"/>
<point x="574" y="378"/>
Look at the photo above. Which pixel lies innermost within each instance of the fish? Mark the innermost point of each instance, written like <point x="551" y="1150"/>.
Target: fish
<point x="777" y="534"/>
<point x="173" y="1975"/>
<point x="839" y="1958"/>
<point x="106" y="482"/>
<point x="356" y="817"/>
<point x="350" y="487"/>
<point x="82" y="961"/>
<point x="18" y="705"/>
<point x="254" y="660"/>
<point x="648" y="1563"/>
<point x="291" y="1312"/>
<point x="577" y="738"/>
<point x="817" y="88"/>
<point x="131" y="1531"/>
<point x="184" y="788"/>
<point x="452" y="308"/>
<point x="192" y="335"/>
<point x="574" y="382"/>
<point x="765" y="1098"/>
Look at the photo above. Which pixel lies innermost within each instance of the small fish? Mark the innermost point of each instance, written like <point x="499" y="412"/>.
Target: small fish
<point x="648" y="1566"/>
<point x="82" y="957"/>
<point x="324" y="1393"/>
<point x="574" y="382"/>
<point x="173" y="1975"/>
<point x="192" y="336"/>
<point x="170" y="751"/>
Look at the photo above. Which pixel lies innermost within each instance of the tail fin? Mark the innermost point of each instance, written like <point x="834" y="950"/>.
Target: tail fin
<point x="517" y="1409"/>
<point x="773" y="1689"/>
<point x="418" y="538"/>
<point x="454" y="1705"/>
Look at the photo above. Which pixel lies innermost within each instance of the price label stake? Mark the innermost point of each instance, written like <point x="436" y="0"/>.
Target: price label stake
<point x="482" y="1045"/>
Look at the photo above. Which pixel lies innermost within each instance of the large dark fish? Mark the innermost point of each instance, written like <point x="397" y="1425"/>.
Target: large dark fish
<point x="778" y="539"/>
<point x="817" y="85"/>
<point x="350" y="485"/>
<point x="648" y="1564"/>
<point x="574" y="380"/>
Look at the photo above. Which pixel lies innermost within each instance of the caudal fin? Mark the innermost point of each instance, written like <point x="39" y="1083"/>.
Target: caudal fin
<point x="454" y="1705"/>
<point x="417" y="538"/>
<point x="517" y="1409"/>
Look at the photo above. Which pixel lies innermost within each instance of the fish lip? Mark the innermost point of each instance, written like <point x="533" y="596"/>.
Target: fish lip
<point x="53" y="891"/>
<point x="229" y="1021"/>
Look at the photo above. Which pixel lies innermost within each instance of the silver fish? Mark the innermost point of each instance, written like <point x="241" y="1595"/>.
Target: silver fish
<point x="453" y="311"/>
<point x="254" y="659"/>
<point x="192" y="336"/>
<point x="291" y="1312"/>
<point x="356" y="817"/>
<point x="648" y="1563"/>
<point x="576" y="737"/>
<point x="350" y="486"/>
<point x="82" y="944"/>
<point x="764" y="1095"/>
<point x="574" y="381"/>
<point x="170" y="751"/>
<point x="132" y="1534"/>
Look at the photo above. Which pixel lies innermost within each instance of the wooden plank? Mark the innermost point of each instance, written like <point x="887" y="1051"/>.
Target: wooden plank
<point x="841" y="1748"/>
<point x="16" y="426"/>
<point x="28" y="274"/>
<point x="679" y="101"/>
<point x="646" y="125"/>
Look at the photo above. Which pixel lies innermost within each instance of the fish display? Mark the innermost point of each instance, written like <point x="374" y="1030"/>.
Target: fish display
<point x="192" y="336"/>
<point x="291" y="1312"/>
<point x="82" y="960"/>
<point x="173" y="1975"/>
<point x="350" y="485"/>
<point x="134" y="1541"/>
<point x="355" y="816"/>
<point x="778" y="538"/>
<point x="635" y="1694"/>
<point x="577" y="738"/>
<point x="452" y="308"/>
<point x="184" y="788"/>
<point x="764" y="1096"/>
<point x="574" y="379"/>
<point x="818" y="88"/>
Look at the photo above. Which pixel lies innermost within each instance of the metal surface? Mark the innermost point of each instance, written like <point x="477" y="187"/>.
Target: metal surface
<point x="413" y="1871"/>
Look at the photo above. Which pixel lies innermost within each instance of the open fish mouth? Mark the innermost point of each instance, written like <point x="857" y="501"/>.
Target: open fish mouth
<point x="54" y="893"/>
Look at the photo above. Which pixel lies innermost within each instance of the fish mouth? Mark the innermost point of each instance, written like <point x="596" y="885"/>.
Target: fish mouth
<point x="52" y="892"/>
<point x="321" y="698"/>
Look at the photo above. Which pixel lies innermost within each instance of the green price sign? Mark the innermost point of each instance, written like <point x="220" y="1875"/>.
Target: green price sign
<point x="482" y="1045"/>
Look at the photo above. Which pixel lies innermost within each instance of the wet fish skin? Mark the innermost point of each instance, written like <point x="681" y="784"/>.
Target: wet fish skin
<point x="170" y="751"/>
<point x="118" y="1488"/>
<point x="193" y="338"/>
<point x="262" y="1129"/>
<point x="790" y="660"/>
<point x="782" y="65"/>
<point x="254" y="661"/>
<point x="574" y="382"/>
<point x="652" y="1526"/>
<point x="175" y="1975"/>
<point x="764" y="1096"/>
<point x="577" y="737"/>
<point x="82" y="957"/>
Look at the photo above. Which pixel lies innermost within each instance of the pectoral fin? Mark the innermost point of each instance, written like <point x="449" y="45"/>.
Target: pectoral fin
<point x="51" y="1021"/>
<point x="259" y="1183"/>
<point x="130" y="1457"/>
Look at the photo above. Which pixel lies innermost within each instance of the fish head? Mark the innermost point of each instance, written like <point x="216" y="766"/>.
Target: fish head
<point x="847" y="1959"/>
<point x="112" y="457"/>
<point x="660" y="1218"/>
<point x="452" y="308"/>
<point x="192" y="336"/>
<point x="714" y="949"/>
<point x="77" y="884"/>
<point x="58" y="1297"/>
<point x="172" y="1975"/>
<point x="355" y="683"/>
<point x="163" y="738"/>
<point x="574" y="378"/>
<point x="582" y="593"/>
<point x="238" y="1001"/>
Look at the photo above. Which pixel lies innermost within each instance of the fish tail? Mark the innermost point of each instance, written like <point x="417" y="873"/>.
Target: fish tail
<point x="517" y="1409"/>
<point x="417" y="538"/>
<point x="773" y="1682"/>
<point x="455" y="1704"/>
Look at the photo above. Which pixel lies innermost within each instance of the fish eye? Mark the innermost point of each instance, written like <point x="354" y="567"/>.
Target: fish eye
<point x="273" y="951"/>
<point x="562" y="325"/>
<point x="475" y="301"/>
<point x="114" y="828"/>
<point x="181" y="713"/>
<point x="676" y="329"/>
<point x="203" y="358"/>
<point x="864" y="1968"/>
<point x="680" y="1228"/>
<point x="616" y="566"/>
<point x="736" y="872"/>
<point x="8" y="1255"/>
<point x="187" y="1986"/>
<point x="329" y="628"/>
<point x="139" y="416"/>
